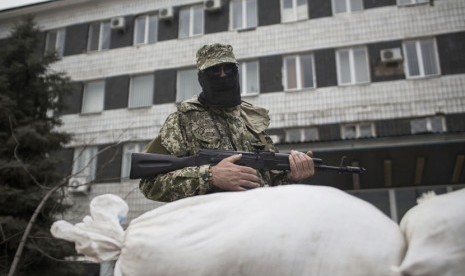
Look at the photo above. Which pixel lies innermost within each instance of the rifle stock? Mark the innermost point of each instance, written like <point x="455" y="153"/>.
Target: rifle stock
<point x="151" y="164"/>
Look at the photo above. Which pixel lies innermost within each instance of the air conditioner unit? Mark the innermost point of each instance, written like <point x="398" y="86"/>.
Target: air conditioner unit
<point x="118" y="23"/>
<point x="165" y="13"/>
<point x="79" y="184"/>
<point x="212" y="5"/>
<point x="391" y="55"/>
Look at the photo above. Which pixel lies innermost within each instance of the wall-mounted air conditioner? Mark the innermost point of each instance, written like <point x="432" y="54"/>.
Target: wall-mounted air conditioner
<point x="391" y="55"/>
<point x="118" y="23"/>
<point x="166" y="13"/>
<point x="212" y="5"/>
<point x="79" y="184"/>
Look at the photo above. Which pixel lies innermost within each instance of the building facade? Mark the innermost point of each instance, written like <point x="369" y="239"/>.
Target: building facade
<point x="380" y="82"/>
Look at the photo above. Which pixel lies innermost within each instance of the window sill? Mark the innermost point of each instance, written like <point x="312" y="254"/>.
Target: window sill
<point x="93" y="52"/>
<point x="140" y="107"/>
<point x="412" y="4"/>
<point x="141" y="45"/>
<point x="243" y="30"/>
<point x="294" y="21"/>
<point x="423" y="77"/>
<point x="91" y="113"/>
<point x="298" y="90"/>
<point x="353" y="84"/>
<point x="191" y="36"/>
<point x="250" y="95"/>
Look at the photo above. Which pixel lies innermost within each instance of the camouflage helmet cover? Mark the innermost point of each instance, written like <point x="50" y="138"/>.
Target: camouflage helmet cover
<point x="214" y="54"/>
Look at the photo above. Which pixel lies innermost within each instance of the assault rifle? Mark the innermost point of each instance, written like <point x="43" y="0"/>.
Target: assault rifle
<point x="151" y="164"/>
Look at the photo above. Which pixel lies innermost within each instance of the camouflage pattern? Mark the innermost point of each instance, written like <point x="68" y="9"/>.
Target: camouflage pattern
<point x="214" y="54"/>
<point x="194" y="127"/>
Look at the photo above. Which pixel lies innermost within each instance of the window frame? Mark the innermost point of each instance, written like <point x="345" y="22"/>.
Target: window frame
<point x="358" y="127"/>
<point x="59" y="46"/>
<point x="100" y="37"/>
<point x="191" y="21"/>
<point x="302" y="133"/>
<point x="420" y="61"/>
<point x="243" y="77"/>
<point x="87" y="156"/>
<point x="131" y="90"/>
<point x="412" y="3"/>
<point x="349" y="6"/>
<point x="126" y="158"/>
<point x="244" y="12"/>
<point x="147" y="29"/>
<point x="429" y="125"/>
<point x="295" y="13"/>
<point x="353" y="77"/>
<point x="84" y="97"/>
<point x="299" y="80"/>
<point x="177" y="100"/>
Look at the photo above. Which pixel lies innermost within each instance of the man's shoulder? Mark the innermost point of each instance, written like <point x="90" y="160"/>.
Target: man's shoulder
<point x="192" y="104"/>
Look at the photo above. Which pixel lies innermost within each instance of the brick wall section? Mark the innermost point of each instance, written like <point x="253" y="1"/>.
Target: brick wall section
<point x="165" y="86"/>
<point x="76" y="39"/>
<point x="73" y="101"/>
<point x="318" y="9"/>
<point x="268" y="12"/>
<point x="116" y="92"/>
<point x="217" y="21"/>
<point x="109" y="163"/>
<point x="270" y="74"/>
<point x="451" y="53"/>
<point x="119" y="38"/>
<point x="455" y="122"/>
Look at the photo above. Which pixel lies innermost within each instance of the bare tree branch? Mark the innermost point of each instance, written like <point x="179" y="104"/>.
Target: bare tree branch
<point x="15" y="152"/>
<point x="31" y="222"/>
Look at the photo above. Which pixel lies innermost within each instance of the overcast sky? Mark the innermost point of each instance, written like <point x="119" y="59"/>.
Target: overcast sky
<point x="8" y="4"/>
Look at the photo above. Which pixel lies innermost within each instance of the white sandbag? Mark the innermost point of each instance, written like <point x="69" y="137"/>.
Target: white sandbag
<point x="100" y="236"/>
<point x="435" y="232"/>
<point x="286" y="230"/>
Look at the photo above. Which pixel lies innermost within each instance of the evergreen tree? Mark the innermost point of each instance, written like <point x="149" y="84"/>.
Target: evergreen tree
<point x="31" y="98"/>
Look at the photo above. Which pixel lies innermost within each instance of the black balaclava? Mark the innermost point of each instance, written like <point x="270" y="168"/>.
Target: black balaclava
<point x="220" y="91"/>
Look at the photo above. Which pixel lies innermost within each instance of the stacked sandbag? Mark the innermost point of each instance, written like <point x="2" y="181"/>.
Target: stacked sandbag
<point x="98" y="237"/>
<point x="435" y="233"/>
<point x="286" y="230"/>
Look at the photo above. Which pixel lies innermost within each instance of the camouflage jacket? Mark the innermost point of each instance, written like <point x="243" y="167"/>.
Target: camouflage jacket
<point x="194" y="127"/>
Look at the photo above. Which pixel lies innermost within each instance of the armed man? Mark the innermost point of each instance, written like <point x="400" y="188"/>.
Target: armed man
<point x="218" y="119"/>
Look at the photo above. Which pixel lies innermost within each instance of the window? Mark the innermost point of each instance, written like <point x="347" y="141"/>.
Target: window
<point x="141" y="91"/>
<point x="146" y="29"/>
<point x="293" y="10"/>
<point x="92" y="100"/>
<point x="187" y="84"/>
<point x="302" y="135"/>
<point x="352" y="66"/>
<point x="55" y="41"/>
<point x="355" y="131"/>
<point x="436" y="124"/>
<point x="298" y="72"/>
<point x="243" y="14"/>
<point x="85" y="162"/>
<point x="99" y="36"/>
<point x="191" y="21"/>
<point x="411" y="2"/>
<point x="127" y="150"/>
<point x="345" y="6"/>
<point x="421" y="58"/>
<point x="248" y="72"/>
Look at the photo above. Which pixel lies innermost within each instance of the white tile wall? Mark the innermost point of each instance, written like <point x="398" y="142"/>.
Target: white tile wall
<point x="381" y="24"/>
<point x="374" y="101"/>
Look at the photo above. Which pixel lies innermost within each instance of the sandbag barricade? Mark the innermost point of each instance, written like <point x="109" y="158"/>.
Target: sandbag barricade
<point x="435" y="233"/>
<point x="285" y="230"/>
